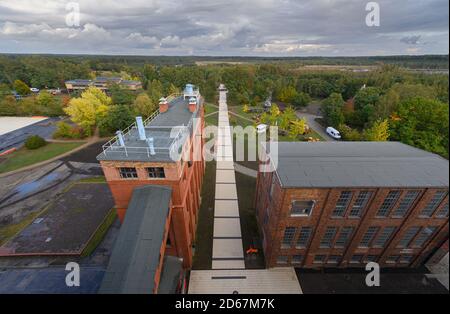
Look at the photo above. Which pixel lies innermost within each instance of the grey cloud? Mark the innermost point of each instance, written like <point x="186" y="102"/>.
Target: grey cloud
<point x="225" y="27"/>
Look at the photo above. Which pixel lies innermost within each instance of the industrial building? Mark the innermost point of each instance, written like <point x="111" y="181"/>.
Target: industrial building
<point x="343" y="204"/>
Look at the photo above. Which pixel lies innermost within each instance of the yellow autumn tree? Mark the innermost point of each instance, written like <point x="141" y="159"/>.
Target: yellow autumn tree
<point x="87" y="110"/>
<point x="378" y="132"/>
<point x="297" y="127"/>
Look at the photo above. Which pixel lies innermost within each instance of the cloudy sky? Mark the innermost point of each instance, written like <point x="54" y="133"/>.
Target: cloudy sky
<point x="224" y="27"/>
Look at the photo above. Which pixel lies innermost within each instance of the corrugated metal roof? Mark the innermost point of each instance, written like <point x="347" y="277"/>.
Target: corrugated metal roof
<point x="136" y="253"/>
<point x="359" y="164"/>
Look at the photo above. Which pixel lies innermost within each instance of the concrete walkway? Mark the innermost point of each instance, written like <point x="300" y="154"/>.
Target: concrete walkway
<point x="228" y="274"/>
<point x="227" y="242"/>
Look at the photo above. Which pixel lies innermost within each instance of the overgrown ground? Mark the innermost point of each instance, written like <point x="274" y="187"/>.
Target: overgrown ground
<point x="25" y="157"/>
<point x="246" y="187"/>
<point x="205" y="224"/>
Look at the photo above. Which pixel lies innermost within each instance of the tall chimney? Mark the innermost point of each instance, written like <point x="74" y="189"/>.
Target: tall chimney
<point x="163" y="105"/>
<point x="150" y="143"/>
<point x="141" y="128"/>
<point x="120" y="138"/>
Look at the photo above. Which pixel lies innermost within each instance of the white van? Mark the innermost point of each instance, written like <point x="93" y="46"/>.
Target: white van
<point x="333" y="133"/>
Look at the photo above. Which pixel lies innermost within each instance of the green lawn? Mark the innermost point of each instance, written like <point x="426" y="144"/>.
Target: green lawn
<point x="24" y="157"/>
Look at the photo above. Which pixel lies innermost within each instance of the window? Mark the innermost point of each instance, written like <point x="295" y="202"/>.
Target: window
<point x="303" y="238"/>
<point x="405" y="204"/>
<point x="406" y="259"/>
<point x="360" y="204"/>
<point x="371" y="258"/>
<point x="342" y="204"/>
<point x="343" y="237"/>
<point x="319" y="259"/>
<point x="407" y="237"/>
<point x="334" y="259"/>
<point x="156" y="172"/>
<point x="356" y="259"/>
<point x="289" y="234"/>
<point x="384" y="237"/>
<point x="392" y="259"/>
<point x="433" y="204"/>
<point x="443" y="212"/>
<point x="388" y="203"/>
<point x="302" y="208"/>
<point x="423" y="236"/>
<point x="368" y="236"/>
<point x="128" y="173"/>
<point x="297" y="259"/>
<point x="328" y="237"/>
<point x="282" y="259"/>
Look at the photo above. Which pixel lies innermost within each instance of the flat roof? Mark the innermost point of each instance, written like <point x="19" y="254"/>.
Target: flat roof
<point x="136" y="253"/>
<point x="162" y="129"/>
<point x="359" y="164"/>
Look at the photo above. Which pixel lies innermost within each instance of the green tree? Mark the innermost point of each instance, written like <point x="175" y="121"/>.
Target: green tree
<point x="287" y="94"/>
<point x="349" y="134"/>
<point x="297" y="127"/>
<point x="332" y="109"/>
<point x="118" y="117"/>
<point x="88" y="109"/>
<point x="378" y="132"/>
<point x="121" y="95"/>
<point x="8" y="106"/>
<point x="144" y="106"/>
<point x="21" y="88"/>
<point x="422" y="123"/>
<point x="49" y="104"/>
<point x="301" y="100"/>
<point x="286" y="117"/>
<point x="365" y="103"/>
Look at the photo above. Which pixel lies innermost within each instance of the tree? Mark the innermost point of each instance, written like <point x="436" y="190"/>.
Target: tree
<point x="349" y="134"/>
<point x="422" y="123"/>
<point x="8" y="106"/>
<point x="155" y="90"/>
<point x="365" y="103"/>
<point x="286" y="117"/>
<point x="144" y="106"/>
<point x="287" y="94"/>
<point x="21" y="88"/>
<point x="88" y="109"/>
<point x="301" y="100"/>
<point x="119" y="117"/>
<point x="297" y="127"/>
<point x="121" y="95"/>
<point x="332" y="109"/>
<point x="378" y="132"/>
<point x="48" y="104"/>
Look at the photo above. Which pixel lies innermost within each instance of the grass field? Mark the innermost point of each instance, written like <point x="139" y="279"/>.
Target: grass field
<point x="24" y="157"/>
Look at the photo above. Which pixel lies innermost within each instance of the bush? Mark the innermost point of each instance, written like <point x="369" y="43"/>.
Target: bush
<point x="35" y="142"/>
<point x="66" y="131"/>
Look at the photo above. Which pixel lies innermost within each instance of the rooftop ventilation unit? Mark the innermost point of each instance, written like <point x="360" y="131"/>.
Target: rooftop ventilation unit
<point x="120" y="138"/>
<point x="141" y="128"/>
<point x="151" y="146"/>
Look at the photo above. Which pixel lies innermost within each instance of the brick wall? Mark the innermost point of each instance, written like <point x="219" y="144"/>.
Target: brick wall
<point x="274" y="221"/>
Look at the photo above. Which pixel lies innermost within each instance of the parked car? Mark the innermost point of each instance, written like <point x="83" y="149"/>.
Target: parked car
<point x="333" y="133"/>
<point x="34" y="90"/>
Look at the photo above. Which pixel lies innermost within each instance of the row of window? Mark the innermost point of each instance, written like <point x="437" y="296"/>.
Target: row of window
<point x="131" y="172"/>
<point x="375" y="237"/>
<point x="336" y="259"/>
<point x="387" y="208"/>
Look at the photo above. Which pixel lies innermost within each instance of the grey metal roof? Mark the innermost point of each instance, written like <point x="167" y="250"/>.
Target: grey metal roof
<point x="172" y="268"/>
<point x="359" y="164"/>
<point x="135" y="256"/>
<point x="162" y="128"/>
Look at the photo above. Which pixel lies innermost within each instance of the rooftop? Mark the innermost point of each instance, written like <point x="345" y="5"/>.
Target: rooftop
<point x="136" y="254"/>
<point x="168" y="130"/>
<point x="359" y="164"/>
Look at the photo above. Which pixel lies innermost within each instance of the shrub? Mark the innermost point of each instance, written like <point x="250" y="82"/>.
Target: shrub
<point x="35" y="142"/>
<point x="65" y="130"/>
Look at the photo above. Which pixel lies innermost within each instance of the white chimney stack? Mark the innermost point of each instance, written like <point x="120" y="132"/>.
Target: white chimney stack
<point x="150" y="143"/>
<point x="141" y="128"/>
<point x="120" y="138"/>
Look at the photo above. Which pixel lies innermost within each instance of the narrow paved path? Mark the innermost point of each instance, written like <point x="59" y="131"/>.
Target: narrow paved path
<point x="313" y="124"/>
<point x="228" y="274"/>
